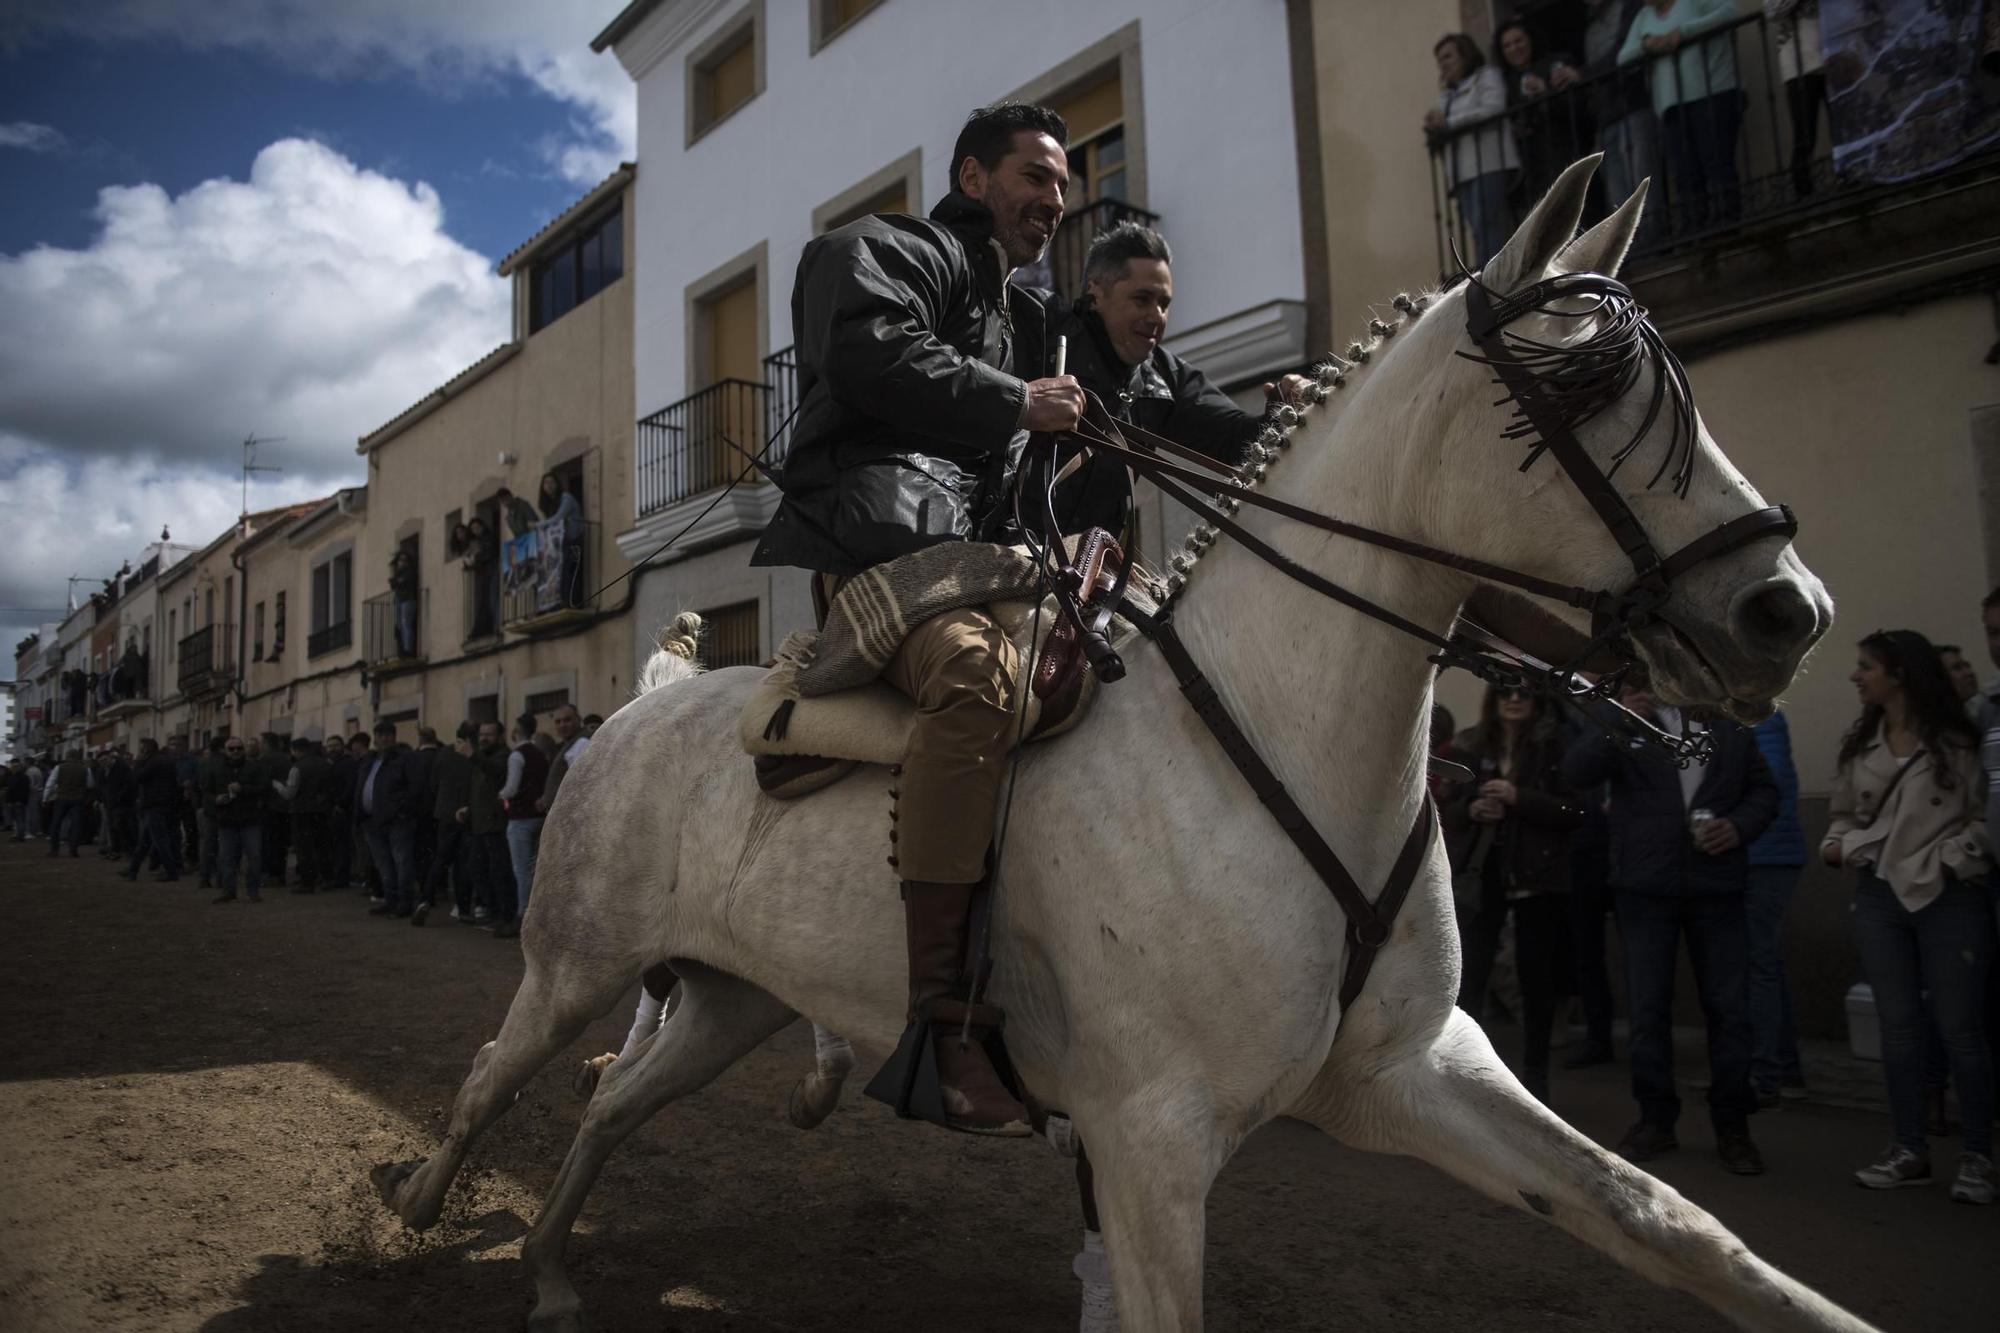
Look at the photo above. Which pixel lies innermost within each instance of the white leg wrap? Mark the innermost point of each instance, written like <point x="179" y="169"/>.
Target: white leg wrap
<point x="644" y="1023"/>
<point x="832" y="1053"/>
<point x="1093" y="1269"/>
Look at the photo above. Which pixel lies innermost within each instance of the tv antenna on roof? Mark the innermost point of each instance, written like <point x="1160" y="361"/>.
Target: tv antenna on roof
<point x="250" y="465"/>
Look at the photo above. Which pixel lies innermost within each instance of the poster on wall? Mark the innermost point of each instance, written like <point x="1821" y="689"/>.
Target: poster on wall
<point x="1912" y="85"/>
<point x="548" y="566"/>
<point x="518" y="569"/>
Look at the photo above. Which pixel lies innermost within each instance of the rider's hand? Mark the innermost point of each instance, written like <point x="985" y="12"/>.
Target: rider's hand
<point x="1053" y="404"/>
<point x="1291" y="389"/>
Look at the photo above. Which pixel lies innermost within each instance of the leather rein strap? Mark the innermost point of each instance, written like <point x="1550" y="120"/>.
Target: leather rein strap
<point x="1368" y="924"/>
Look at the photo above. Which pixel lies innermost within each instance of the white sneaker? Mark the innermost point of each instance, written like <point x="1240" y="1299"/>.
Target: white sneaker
<point x="454" y="914"/>
<point x="1899" y="1166"/>
<point x="1975" y="1179"/>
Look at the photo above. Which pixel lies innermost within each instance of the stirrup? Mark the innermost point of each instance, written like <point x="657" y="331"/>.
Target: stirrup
<point x="908" y="1081"/>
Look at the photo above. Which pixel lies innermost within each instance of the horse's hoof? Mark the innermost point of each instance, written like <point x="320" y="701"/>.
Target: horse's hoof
<point x="812" y="1101"/>
<point x="584" y="1082"/>
<point x="388" y="1179"/>
<point x="570" y="1319"/>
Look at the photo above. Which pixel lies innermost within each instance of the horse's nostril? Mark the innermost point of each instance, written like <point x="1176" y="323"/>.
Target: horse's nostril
<point x="1776" y="617"/>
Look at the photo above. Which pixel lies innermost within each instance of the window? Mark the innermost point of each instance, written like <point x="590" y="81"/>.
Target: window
<point x="208" y="607"/>
<point x="257" y="633"/>
<point x="892" y="199"/>
<point x="830" y="18"/>
<point x="588" y="261"/>
<point x="731" y="636"/>
<point x="483" y="708"/>
<point x="547" y="701"/>
<point x="726" y="72"/>
<point x="332" y="605"/>
<point x="173" y="643"/>
<point x="1096" y="119"/>
<point x="277" y="627"/>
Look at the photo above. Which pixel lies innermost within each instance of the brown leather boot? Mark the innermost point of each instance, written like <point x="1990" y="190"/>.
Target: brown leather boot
<point x="975" y="1101"/>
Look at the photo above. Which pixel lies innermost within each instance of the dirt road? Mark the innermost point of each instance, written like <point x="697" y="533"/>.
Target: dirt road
<point x="190" y="1097"/>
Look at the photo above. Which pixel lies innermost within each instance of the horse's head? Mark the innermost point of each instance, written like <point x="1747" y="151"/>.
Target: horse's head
<point x="1726" y="624"/>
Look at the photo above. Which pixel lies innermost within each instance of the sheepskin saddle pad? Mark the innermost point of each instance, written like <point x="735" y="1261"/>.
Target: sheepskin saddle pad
<point x="822" y="710"/>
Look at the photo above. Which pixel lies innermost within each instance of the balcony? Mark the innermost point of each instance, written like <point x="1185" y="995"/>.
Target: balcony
<point x="703" y="442"/>
<point x="1747" y="224"/>
<point x="547" y="582"/>
<point x="207" y="661"/>
<point x="1072" y="242"/>
<point x="385" y="646"/>
<point x="330" y="639"/>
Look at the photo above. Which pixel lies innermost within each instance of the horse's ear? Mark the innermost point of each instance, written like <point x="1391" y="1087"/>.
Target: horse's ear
<point x="1602" y="249"/>
<point x="1529" y="252"/>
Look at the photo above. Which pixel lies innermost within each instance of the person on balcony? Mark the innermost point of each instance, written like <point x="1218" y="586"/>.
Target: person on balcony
<point x="1620" y="106"/>
<point x="1113" y="333"/>
<point x="560" y="504"/>
<point x="1549" y="130"/>
<point x="1795" y="26"/>
<point x="520" y="515"/>
<point x="1696" y="97"/>
<point x="482" y="554"/>
<point x="1475" y="142"/>
<point x="403" y="593"/>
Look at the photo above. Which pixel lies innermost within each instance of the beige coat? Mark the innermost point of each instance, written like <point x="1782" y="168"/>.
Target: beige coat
<point x="1926" y="830"/>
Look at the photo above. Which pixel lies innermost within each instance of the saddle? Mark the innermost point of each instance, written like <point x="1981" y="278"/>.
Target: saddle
<point x="805" y="736"/>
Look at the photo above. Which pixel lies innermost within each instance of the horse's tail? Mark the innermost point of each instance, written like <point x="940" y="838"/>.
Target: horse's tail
<point x="678" y="655"/>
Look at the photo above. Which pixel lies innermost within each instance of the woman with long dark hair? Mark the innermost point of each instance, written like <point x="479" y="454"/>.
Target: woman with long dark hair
<point x="1507" y="832"/>
<point x="1909" y="816"/>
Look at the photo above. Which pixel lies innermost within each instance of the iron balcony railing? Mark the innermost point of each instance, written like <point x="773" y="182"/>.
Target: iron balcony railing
<point x="388" y="634"/>
<point x="1072" y="242"/>
<point x="703" y="441"/>
<point x="206" y="660"/>
<point x="331" y="639"/>
<point x="1737" y="142"/>
<point x="549" y="577"/>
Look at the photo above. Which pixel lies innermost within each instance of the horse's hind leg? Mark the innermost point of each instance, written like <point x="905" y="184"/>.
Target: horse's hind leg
<point x="551" y="1007"/>
<point x="718" y="1021"/>
<point x="1457" y="1107"/>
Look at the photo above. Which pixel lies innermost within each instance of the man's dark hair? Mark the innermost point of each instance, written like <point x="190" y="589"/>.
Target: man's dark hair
<point x="526" y="722"/>
<point x="1952" y="648"/>
<point x="1109" y="254"/>
<point x="427" y="736"/>
<point x="386" y="728"/>
<point x="301" y="744"/>
<point x="592" y="720"/>
<point x="989" y="133"/>
<point x="1991" y="600"/>
<point x="1469" y="54"/>
<point x="148" y="746"/>
<point x="468" y="730"/>
<point x="215" y="744"/>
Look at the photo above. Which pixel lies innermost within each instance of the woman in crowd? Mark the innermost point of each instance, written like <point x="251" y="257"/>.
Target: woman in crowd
<point x="557" y="502"/>
<point x="1909" y="817"/>
<point x="1508" y="831"/>
<point x="1547" y="130"/>
<point x="1478" y="163"/>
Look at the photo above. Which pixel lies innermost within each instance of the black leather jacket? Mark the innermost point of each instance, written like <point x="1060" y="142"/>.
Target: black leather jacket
<point x="913" y="352"/>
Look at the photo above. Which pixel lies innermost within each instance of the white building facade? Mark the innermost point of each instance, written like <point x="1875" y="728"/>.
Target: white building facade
<point x="765" y="122"/>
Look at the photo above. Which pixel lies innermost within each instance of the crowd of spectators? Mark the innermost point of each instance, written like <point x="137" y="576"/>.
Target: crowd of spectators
<point x="1656" y="83"/>
<point x="1560" y="820"/>
<point x="363" y="811"/>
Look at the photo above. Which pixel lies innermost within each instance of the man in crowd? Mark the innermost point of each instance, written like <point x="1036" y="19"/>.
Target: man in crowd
<point x="236" y="806"/>
<point x="520" y="796"/>
<point x="38" y="776"/>
<point x="571" y="742"/>
<point x="307" y="793"/>
<point x="485" y="821"/>
<point x="274" y="764"/>
<point x="1964" y="676"/>
<point x="1776" y="860"/>
<point x="1678" y="864"/>
<point x="450" y="792"/>
<point x="17" y="799"/>
<point x="121" y="807"/>
<point x="360" y="750"/>
<point x="1113" y="335"/>
<point x="65" y="794"/>
<point x="422" y="763"/>
<point x="187" y="774"/>
<point x="591" y="722"/>
<point x="385" y="803"/>
<point x="204" y="799"/>
<point x="339" y="815"/>
<point x="157" y="781"/>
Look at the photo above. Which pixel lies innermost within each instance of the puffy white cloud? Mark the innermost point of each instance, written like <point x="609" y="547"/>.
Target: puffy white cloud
<point x="313" y="301"/>
<point x="447" y="45"/>
<point x="26" y="134"/>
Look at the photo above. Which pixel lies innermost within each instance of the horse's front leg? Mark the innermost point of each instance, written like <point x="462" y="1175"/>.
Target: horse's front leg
<point x="1153" y="1160"/>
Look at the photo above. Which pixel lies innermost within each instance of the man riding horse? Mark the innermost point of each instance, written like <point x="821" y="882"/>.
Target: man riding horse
<point x="920" y="378"/>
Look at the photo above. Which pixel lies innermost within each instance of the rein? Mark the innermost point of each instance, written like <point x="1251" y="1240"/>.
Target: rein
<point x="1551" y="399"/>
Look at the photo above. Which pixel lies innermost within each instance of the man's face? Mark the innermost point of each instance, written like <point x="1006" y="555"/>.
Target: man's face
<point x="489" y="735"/>
<point x="1963" y="678"/>
<point x="568" y="723"/>
<point x="1024" y="192"/>
<point x="233" y="752"/>
<point x="1134" y="308"/>
<point x="252" y="748"/>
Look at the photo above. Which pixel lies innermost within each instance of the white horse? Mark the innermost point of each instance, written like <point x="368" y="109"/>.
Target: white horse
<point x="1168" y="963"/>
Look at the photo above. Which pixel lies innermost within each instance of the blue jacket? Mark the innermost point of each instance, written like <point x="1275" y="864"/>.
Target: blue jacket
<point x="1784" y="843"/>
<point x="1652" y="850"/>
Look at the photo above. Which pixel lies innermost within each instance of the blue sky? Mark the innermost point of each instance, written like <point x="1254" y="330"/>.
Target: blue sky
<point x="279" y="217"/>
<point x="179" y="121"/>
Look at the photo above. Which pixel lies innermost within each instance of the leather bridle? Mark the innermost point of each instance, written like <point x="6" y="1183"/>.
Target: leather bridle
<point x="1550" y="402"/>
